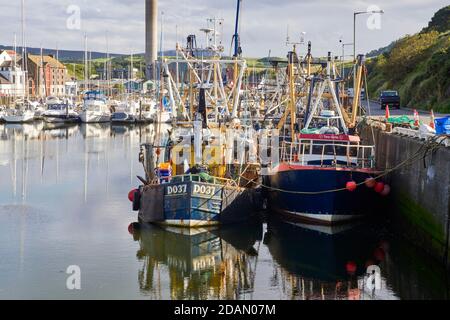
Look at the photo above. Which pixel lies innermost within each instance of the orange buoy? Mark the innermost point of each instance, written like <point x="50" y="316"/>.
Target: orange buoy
<point x="379" y="187"/>
<point x="351" y="186"/>
<point x="370" y="182"/>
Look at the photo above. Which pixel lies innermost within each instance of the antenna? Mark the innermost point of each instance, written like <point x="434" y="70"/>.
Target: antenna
<point x="288" y="40"/>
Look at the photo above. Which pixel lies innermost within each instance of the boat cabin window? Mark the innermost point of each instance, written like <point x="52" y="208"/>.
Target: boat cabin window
<point x="56" y="107"/>
<point x="340" y="148"/>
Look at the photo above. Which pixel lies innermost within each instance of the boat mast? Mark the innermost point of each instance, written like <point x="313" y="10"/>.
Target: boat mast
<point x="237" y="48"/>
<point x="24" y="54"/>
<point x="15" y="68"/>
<point x="86" y="81"/>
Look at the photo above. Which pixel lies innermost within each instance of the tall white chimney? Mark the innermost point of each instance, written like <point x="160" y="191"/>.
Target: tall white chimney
<point x="151" y="36"/>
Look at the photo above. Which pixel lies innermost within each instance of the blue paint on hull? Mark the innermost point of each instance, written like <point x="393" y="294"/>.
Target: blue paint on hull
<point x="325" y="207"/>
<point x="197" y="204"/>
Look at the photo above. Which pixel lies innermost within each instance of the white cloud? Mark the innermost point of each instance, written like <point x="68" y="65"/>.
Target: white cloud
<point x="263" y="27"/>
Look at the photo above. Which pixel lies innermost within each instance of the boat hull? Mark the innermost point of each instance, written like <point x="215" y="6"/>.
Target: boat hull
<point x="61" y="119"/>
<point x="196" y="204"/>
<point x="321" y="208"/>
<point x="18" y="119"/>
<point x="92" y="117"/>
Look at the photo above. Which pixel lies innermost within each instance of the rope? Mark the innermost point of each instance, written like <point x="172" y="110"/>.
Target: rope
<point x="418" y="155"/>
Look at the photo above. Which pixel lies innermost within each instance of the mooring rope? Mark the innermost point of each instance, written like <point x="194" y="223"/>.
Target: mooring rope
<point x="429" y="146"/>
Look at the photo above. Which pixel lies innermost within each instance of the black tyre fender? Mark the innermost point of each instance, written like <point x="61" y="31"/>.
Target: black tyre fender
<point x="137" y="200"/>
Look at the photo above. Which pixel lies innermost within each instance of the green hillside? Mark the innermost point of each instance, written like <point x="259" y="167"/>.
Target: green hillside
<point x="418" y="66"/>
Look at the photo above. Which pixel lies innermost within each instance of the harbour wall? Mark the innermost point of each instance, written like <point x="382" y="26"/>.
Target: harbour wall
<point x="419" y="203"/>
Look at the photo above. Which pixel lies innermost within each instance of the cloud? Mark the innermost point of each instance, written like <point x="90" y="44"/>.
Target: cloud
<point x="264" y="23"/>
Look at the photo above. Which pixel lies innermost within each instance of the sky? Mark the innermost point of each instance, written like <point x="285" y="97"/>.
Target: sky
<point x="119" y="25"/>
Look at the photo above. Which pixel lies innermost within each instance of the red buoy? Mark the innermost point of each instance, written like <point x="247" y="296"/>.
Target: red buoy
<point x="131" y="228"/>
<point x="131" y="195"/>
<point x="351" y="186"/>
<point x="369" y="263"/>
<point x="351" y="267"/>
<point x="370" y="182"/>
<point x="386" y="190"/>
<point x="379" y="187"/>
<point x="379" y="254"/>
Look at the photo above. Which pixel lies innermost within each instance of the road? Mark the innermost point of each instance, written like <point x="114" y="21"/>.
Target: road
<point x="376" y="110"/>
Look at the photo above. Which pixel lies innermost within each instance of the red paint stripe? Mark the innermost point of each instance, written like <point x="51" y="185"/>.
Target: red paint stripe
<point x="289" y="167"/>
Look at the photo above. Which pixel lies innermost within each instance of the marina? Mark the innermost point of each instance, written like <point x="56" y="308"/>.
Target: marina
<point x="194" y="172"/>
<point x="260" y="260"/>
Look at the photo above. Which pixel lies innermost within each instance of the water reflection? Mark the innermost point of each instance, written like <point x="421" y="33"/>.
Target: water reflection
<point x="319" y="262"/>
<point x="63" y="201"/>
<point x="201" y="264"/>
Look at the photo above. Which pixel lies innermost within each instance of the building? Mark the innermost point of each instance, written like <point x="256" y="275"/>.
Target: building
<point x="71" y="88"/>
<point x="47" y="76"/>
<point x="118" y="73"/>
<point x="12" y="76"/>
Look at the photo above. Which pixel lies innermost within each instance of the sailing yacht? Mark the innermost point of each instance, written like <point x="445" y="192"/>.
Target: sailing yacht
<point x="95" y="109"/>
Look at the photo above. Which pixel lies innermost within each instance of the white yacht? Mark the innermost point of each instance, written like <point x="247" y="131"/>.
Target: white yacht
<point x="125" y="112"/>
<point x="95" y="108"/>
<point x="146" y="110"/>
<point x="21" y="114"/>
<point x="2" y="112"/>
<point x="60" y="113"/>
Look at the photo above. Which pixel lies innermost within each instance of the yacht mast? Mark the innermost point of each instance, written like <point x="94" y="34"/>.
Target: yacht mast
<point x="86" y="81"/>
<point x="24" y="53"/>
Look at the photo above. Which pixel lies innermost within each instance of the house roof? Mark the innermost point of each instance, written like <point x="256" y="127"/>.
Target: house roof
<point x="6" y="63"/>
<point x="3" y="80"/>
<point x="9" y="52"/>
<point x="36" y="59"/>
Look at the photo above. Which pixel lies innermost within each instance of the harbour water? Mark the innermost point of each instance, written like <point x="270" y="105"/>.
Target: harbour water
<point x="63" y="202"/>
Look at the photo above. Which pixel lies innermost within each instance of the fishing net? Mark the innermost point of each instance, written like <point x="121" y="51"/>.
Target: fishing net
<point x="310" y="131"/>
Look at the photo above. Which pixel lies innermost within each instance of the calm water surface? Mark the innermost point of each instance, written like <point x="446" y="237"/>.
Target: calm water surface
<point x="63" y="201"/>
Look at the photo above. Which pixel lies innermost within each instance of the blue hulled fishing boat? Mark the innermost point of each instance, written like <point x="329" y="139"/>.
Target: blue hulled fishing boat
<point x="318" y="176"/>
<point x="325" y="174"/>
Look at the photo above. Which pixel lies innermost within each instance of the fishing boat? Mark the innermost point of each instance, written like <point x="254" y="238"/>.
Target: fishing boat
<point x="325" y="174"/>
<point x="95" y="108"/>
<point x="183" y="186"/>
<point x="58" y="112"/>
<point x="198" y="197"/>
